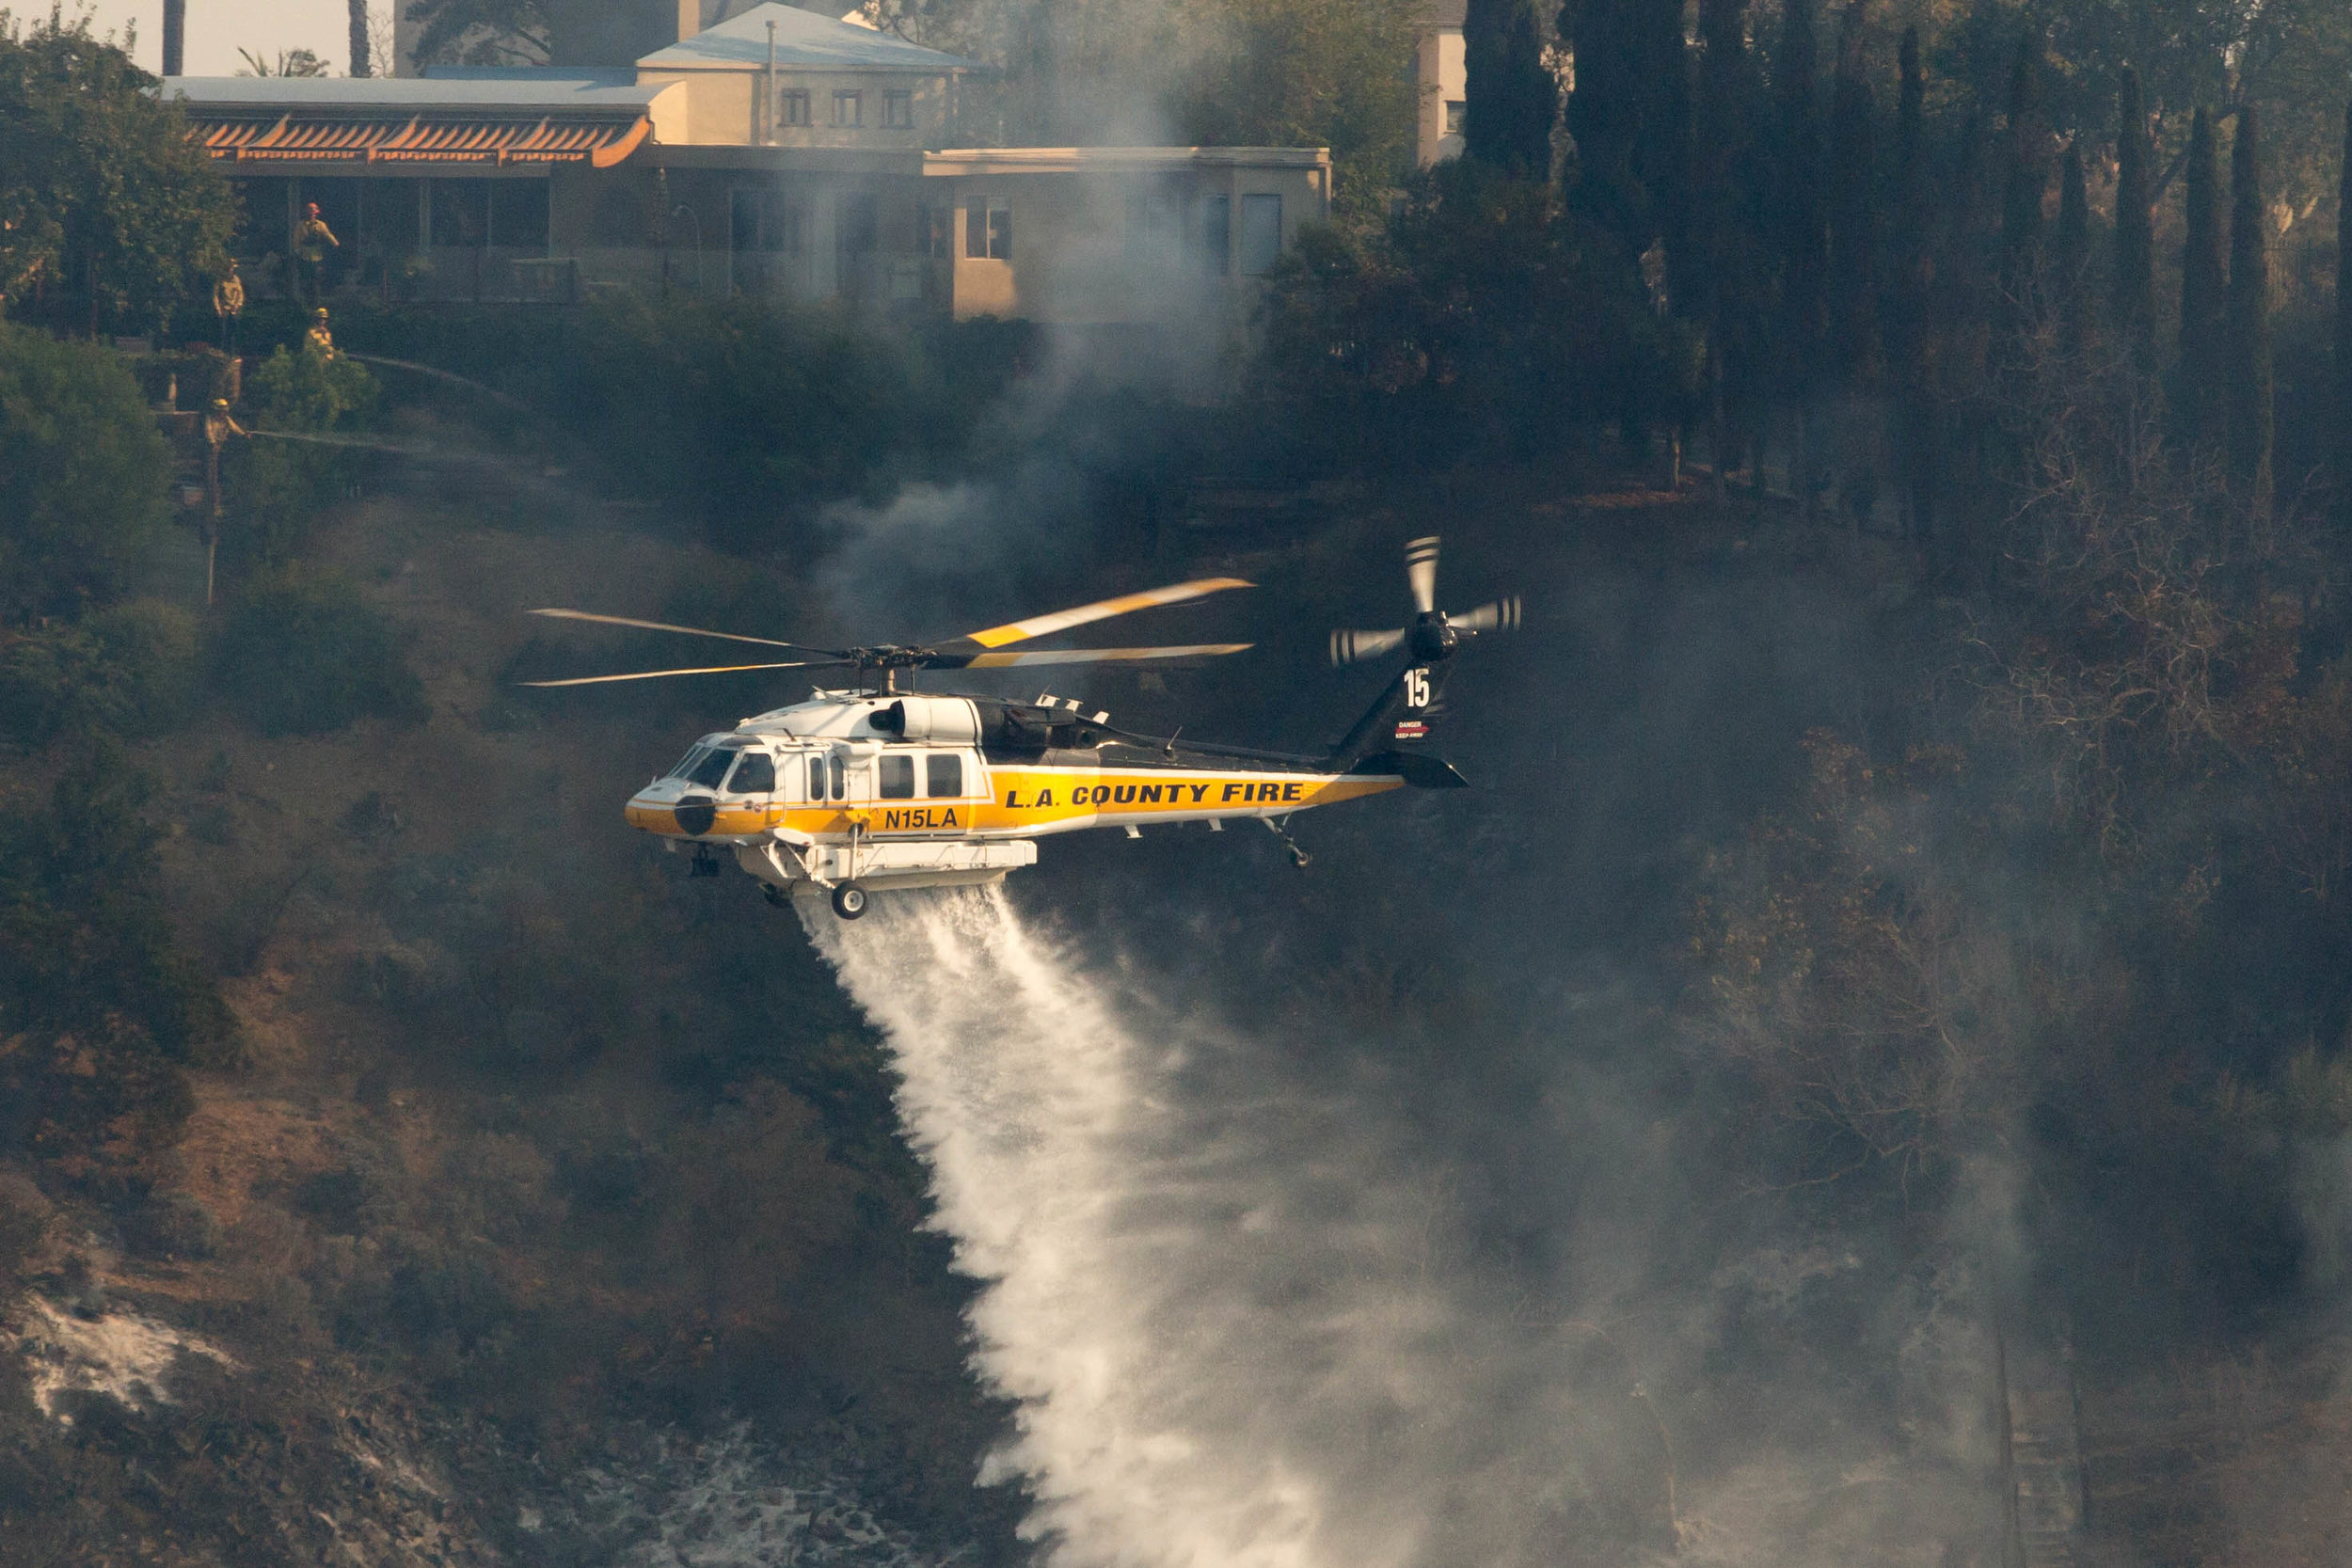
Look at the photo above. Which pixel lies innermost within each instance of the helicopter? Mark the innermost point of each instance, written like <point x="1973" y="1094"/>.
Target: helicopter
<point x="871" y="787"/>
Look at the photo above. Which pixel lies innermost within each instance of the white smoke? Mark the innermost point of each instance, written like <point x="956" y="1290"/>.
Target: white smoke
<point x="1223" y="1306"/>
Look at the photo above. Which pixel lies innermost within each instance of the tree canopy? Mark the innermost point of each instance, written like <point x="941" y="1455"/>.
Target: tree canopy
<point x="100" y="189"/>
<point x="82" y="474"/>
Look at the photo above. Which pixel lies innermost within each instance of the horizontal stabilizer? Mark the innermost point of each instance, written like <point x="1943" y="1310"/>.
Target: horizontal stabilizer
<point x="1420" y="772"/>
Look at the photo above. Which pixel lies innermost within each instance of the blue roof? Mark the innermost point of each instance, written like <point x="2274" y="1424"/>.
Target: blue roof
<point x="804" y="40"/>
<point x="548" y="91"/>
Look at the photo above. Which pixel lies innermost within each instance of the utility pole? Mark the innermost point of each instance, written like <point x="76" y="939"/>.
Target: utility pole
<point x="175" y="36"/>
<point x="211" y="514"/>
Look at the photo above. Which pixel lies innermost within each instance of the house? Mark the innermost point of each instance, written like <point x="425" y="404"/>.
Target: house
<point x="776" y="152"/>
<point x="1443" y="81"/>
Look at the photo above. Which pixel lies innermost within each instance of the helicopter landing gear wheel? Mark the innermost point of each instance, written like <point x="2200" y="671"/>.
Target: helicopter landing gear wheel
<point x="849" y="900"/>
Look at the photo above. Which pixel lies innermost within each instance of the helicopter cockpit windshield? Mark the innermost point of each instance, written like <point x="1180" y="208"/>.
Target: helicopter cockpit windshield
<point x="706" y="763"/>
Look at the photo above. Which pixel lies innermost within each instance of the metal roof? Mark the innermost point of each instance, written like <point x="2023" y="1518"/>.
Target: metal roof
<point x="603" y="76"/>
<point x="803" y="41"/>
<point x="536" y="94"/>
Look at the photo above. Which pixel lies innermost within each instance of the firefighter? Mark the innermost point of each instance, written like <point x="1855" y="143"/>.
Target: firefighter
<point x="219" y="424"/>
<point x="312" y="241"/>
<point x="229" y="305"/>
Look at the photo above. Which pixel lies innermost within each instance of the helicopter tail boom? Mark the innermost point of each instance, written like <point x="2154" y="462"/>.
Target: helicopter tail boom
<point x="1400" y="716"/>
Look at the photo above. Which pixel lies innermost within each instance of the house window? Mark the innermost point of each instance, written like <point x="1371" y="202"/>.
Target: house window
<point x="849" y="108"/>
<point x="1261" y="233"/>
<point x="461" y="213"/>
<point x="1151" y="231"/>
<point x="782" y="224"/>
<point x="764" y="220"/>
<point x="934" y="230"/>
<point x="793" y="110"/>
<point x="1216" y="235"/>
<point x="898" y="111"/>
<point x="518" y="214"/>
<point x="1453" y="109"/>
<point x="857" y="224"/>
<point x="988" y="228"/>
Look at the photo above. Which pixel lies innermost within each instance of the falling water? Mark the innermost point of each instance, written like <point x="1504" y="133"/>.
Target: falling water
<point x="1216" y="1300"/>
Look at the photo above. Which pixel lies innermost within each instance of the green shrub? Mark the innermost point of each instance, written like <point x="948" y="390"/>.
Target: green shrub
<point x="304" y="654"/>
<point x="128" y="669"/>
<point x="83" y="475"/>
<point x="99" y="1006"/>
<point x="309" y="392"/>
<point x="275" y="490"/>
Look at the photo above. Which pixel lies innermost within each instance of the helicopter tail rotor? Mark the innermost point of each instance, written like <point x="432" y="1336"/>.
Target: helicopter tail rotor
<point x="1351" y="647"/>
<point x="1420" y="573"/>
<point x="1501" y="615"/>
<point x="1404" y="713"/>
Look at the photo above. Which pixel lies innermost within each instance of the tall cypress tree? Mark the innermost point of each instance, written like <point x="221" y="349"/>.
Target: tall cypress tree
<point x="2026" y="173"/>
<point x="2249" y="378"/>
<point x="2070" y="254"/>
<point x="2201" y="290"/>
<point x="1803" y="224"/>
<point x="1909" y="335"/>
<point x="1604" y="116"/>
<point x="1853" y="210"/>
<point x="2343" y="319"/>
<point x="2134" y="305"/>
<point x="1511" y="99"/>
<point x="1662" y="155"/>
<point x="1724" y="213"/>
<point x="1906" y="321"/>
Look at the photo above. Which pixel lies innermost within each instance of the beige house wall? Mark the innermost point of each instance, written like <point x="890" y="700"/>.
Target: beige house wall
<point x="1102" y="236"/>
<point x="724" y="107"/>
<point x="1443" y="80"/>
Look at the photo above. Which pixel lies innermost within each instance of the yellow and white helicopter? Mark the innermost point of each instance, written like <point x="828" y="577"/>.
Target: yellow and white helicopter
<point x="871" y="787"/>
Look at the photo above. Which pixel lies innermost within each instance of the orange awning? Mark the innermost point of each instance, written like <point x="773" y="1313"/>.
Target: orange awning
<point x="599" y="142"/>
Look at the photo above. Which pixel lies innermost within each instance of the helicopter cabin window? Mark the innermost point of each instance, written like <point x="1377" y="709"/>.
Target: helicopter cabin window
<point x="712" y="768"/>
<point x="694" y="754"/>
<point x="944" y="775"/>
<point x="840" y="778"/>
<point x="897" y="777"/>
<point x="815" y="778"/>
<point x="755" y="775"/>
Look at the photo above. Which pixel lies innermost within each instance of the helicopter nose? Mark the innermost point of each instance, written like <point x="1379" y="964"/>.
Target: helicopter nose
<point x="667" y="819"/>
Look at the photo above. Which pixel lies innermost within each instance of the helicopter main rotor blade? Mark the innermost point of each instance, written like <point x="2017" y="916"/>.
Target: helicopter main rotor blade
<point x="1420" y="571"/>
<point x="690" y="631"/>
<point x="1347" y="647"/>
<point x="1079" y="655"/>
<point x="706" y="669"/>
<point x="1102" y="609"/>
<point x="1500" y="615"/>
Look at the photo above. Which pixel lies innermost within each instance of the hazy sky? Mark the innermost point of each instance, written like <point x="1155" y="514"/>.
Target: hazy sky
<point x="218" y="28"/>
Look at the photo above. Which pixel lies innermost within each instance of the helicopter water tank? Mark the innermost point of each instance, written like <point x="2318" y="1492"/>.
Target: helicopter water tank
<point x="942" y="721"/>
